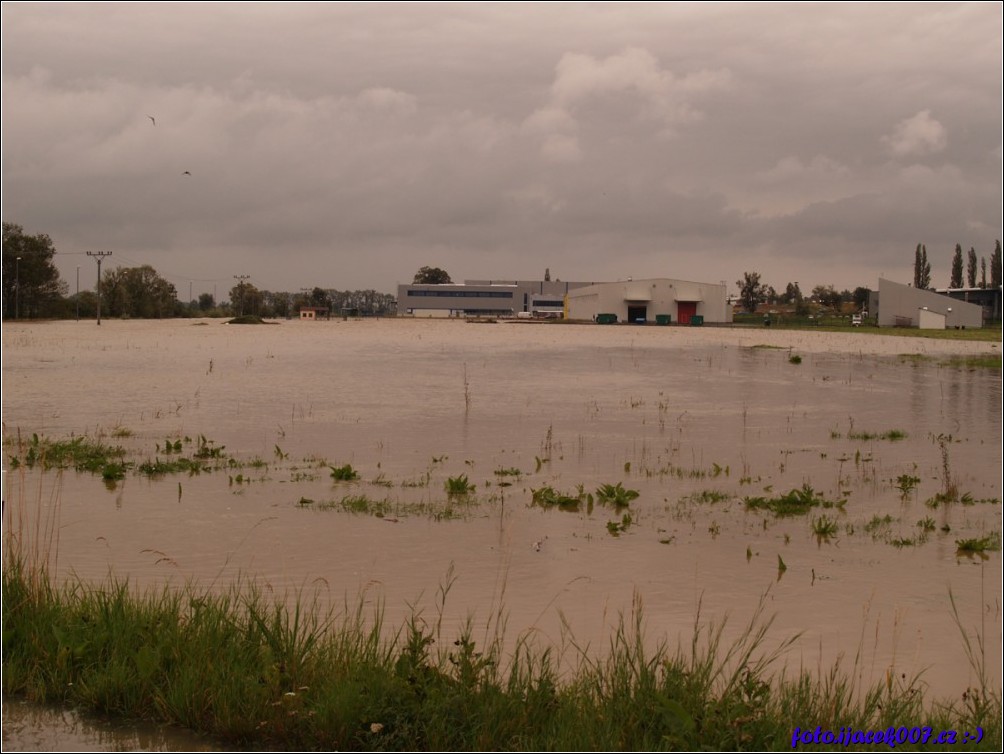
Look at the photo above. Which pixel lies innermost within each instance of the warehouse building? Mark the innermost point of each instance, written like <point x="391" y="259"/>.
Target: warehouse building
<point x="899" y="305"/>
<point x="656" y="300"/>
<point x="485" y="298"/>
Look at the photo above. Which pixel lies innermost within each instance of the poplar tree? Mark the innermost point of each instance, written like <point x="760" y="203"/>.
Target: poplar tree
<point x="971" y="268"/>
<point x="995" y="267"/>
<point x="921" y="268"/>
<point x="956" y="281"/>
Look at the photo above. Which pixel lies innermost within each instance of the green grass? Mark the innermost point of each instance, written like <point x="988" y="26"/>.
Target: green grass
<point x="548" y="497"/>
<point x="344" y="473"/>
<point x="707" y="496"/>
<point x="256" y="672"/>
<point x="797" y="502"/>
<point x="985" y="334"/>
<point x="892" y="435"/>
<point x="80" y="453"/>
<point x="906" y="483"/>
<point x="989" y="543"/>
<point x="615" y="495"/>
<point x="363" y="505"/>
<point x="978" y="361"/>
<point x="824" y="527"/>
<point x="458" y="486"/>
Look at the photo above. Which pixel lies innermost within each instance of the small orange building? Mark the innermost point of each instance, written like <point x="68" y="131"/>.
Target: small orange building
<point x="315" y="312"/>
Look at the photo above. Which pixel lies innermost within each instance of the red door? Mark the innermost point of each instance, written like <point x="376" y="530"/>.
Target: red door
<point x="685" y="310"/>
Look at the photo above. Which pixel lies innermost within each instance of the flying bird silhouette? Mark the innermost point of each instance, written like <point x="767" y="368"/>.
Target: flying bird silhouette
<point x="186" y="173"/>
<point x="152" y="119"/>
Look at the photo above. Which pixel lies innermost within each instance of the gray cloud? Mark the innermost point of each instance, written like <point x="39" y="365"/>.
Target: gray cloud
<point x="347" y="144"/>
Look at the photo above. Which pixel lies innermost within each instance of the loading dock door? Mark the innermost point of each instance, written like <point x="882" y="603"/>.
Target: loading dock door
<point x="636" y="313"/>
<point x="685" y="310"/>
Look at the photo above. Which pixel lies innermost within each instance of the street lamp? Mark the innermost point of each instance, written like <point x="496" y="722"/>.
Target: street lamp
<point x="17" y="288"/>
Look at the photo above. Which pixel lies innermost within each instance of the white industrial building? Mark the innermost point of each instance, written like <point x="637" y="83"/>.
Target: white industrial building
<point x="654" y="300"/>
<point x="901" y="305"/>
<point x="484" y="298"/>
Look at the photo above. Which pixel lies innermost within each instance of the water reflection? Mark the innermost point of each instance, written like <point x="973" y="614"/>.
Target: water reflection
<point x="28" y="727"/>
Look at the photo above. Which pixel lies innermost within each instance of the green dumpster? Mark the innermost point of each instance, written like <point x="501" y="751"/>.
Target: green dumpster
<point x="697" y="320"/>
<point x="606" y="319"/>
<point x="663" y="319"/>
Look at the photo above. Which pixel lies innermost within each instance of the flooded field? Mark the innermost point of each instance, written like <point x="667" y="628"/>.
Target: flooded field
<point x="714" y="429"/>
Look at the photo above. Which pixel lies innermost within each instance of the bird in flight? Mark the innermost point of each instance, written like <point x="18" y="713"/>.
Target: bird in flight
<point x="152" y="119"/>
<point x="186" y="173"/>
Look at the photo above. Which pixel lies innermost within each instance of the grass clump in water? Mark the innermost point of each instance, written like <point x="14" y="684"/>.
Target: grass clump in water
<point x="248" y="319"/>
<point x="79" y="453"/>
<point x="797" y="502"/>
<point x="980" y="545"/>
<point x="708" y="496"/>
<point x="824" y="527"/>
<point x="615" y="495"/>
<point x="458" y="486"/>
<point x="892" y="435"/>
<point x="548" y="497"/>
<point x="344" y="473"/>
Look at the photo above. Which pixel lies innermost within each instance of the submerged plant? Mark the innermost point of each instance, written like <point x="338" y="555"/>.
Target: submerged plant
<point x="615" y="495"/>
<point x="548" y="497"/>
<point x="977" y="546"/>
<point x="80" y="453"/>
<point x="616" y="528"/>
<point x="344" y="473"/>
<point x="798" y="502"/>
<point x="906" y="483"/>
<point x="458" y="486"/>
<point x="824" y="527"/>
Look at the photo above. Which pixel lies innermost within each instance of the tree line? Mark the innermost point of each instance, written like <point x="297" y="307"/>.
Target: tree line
<point x="753" y="293"/>
<point x="966" y="270"/>
<point x="32" y="289"/>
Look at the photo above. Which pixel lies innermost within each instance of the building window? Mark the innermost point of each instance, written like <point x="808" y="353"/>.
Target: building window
<point x="462" y="294"/>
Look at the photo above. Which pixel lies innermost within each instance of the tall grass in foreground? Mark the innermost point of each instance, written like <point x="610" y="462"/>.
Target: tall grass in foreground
<point x="259" y="673"/>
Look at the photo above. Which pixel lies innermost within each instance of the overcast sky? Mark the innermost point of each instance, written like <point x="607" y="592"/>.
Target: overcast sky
<point x="345" y="145"/>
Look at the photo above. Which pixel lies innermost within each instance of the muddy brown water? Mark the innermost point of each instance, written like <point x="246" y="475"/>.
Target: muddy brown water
<point x="684" y="416"/>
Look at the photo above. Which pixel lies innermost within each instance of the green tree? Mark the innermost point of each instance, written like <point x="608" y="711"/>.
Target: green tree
<point x="431" y="276"/>
<point x="956" y="279"/>
<point x="31" y="284"/>
<point x="971" y="268"/>
<point x="137" y="292"/>
<point x="246" y="299"/>
<point x="751" y="291"/>
<point x="792" y="294"/>
<point x="827" y="296"/>
<point x="995" y="267"/>
<point x="319" y="297"/>
<point x="278" y="304"/>
<point x="921" y="268"/>
<point x="860" y="297"/>
<point x="206" y="302"/>
<point x="983" y="272"/>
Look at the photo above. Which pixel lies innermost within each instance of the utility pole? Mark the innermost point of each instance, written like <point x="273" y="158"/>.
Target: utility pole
<point x="240" y="293"/>
<point x="17" y="288"/>
<point x="99" y="257"/>
<point x="78" y="293"/>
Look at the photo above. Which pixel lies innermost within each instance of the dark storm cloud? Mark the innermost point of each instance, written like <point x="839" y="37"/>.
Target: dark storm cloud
<point x="347" y="144"/>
